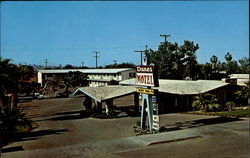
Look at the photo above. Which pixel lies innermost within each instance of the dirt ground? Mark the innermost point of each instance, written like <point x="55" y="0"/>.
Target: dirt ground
<point x="63" y="132"/>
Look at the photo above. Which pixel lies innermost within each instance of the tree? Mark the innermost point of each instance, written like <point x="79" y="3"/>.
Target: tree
<point x="163" y="58"/>
<point x="73" y="79"/>
<point x="122" y="65"/>
<point x="206" y="102"/>
<point x="206" y="71"/>
<point x="231" y="65"/>
<point x="244" y="66"/>
<point x="214" y="60"/>
<point x="176" y="62"/>
<point x="68" y="66"/>
<point x="228" y="57"/>
<point x="11" y="79"/>
<point x="11" y="118"/>
<point x="242" y="94"/>
<point x="190" y="60"/>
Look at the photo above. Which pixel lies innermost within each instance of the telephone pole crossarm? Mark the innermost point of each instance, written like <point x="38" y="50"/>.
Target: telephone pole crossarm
<point x="46" y="63"/>
<point x="140" y="51"/>
<point x="96" y="56"/>
<point x="165" y="37"/>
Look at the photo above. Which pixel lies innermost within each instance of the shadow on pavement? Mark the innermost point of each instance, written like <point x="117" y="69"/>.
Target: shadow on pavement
<point x="36" y="134"/>
<point x="66" y="117"/>
<point x="71" y="115"/>
<point x="197" y="123"/>
<point x="70" y="112"/>
<point x="12" y="149"/>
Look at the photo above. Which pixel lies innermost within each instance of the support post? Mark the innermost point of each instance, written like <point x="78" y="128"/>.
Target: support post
<point x="109" y="108"/>
<point x="136" y="103"/>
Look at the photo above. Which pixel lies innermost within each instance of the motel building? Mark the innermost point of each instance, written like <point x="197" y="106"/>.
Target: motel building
<point x="96" y="77"/>
<point x="172" y="95"/>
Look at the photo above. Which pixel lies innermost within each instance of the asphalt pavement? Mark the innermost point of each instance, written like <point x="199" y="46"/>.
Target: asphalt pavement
<point x="64" y="133"/>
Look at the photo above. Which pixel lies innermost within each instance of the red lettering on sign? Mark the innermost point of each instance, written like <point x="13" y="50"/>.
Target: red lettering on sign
<point x="145" y="79"/>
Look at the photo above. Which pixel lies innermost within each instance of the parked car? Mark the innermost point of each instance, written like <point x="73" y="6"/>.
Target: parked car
<point x="38" y="96"/>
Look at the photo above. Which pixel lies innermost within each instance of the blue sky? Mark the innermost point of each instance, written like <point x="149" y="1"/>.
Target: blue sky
<point x="68" y="32"/>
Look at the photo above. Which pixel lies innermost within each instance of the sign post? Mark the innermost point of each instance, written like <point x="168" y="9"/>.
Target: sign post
<point x="147" y="78"/>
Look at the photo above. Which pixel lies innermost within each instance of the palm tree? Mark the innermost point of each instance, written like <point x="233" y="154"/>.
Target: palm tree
<point x="214" y="60"/>
<point x="11" y="77"/>
<point x="206" y="102"/>
<point x="5" y="80"/>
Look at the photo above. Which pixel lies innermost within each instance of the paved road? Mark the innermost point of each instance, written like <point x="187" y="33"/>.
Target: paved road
<point x="64" y="133"/>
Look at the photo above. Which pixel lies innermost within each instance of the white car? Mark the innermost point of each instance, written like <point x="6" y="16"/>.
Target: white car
<point x="38" y="96"/>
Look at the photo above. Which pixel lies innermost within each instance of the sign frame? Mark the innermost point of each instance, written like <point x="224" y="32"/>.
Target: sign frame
<point x="146" y="75"/>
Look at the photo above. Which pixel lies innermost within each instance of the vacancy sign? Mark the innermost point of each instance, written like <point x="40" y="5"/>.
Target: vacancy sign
<point x="145" y="91"/>
<point x="145" y="76"/>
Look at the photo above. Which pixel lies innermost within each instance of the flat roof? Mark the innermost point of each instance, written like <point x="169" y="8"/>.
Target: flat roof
<point x="183" y="87"/>
<point x="239" y="76"/>
<point x="117" y="70"/>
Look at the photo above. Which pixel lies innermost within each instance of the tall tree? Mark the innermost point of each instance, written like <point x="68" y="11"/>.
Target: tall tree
<point x="11" y="78"/>
<point x="231" y="65"/>
<point x="164" y="58"/>
<point x="176" y="62"/>
<point x="214" y="60"/>
<point x="244" y="65"/>
<point x="190" y="60"/>
<point x="73" y="79"/>
<point x="228" y="57"/>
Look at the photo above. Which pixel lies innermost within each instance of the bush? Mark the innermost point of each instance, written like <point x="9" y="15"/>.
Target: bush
<point x="230" y="105"/>
<point x="242" y="95"/>
<point x="13" y="121"/>
<point x="206" y="102"/>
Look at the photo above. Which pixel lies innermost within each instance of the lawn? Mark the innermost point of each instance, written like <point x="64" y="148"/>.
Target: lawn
<point x="233" y="113"/>
<point x="239" y="113"/>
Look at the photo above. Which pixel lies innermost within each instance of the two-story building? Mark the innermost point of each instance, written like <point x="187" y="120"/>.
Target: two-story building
<point x="96" y="77"/>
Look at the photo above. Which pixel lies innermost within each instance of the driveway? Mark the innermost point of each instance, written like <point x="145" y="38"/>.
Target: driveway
<point x="64" y="133"/>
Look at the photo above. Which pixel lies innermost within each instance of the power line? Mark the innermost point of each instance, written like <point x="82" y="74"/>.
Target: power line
<point x="96" y="56"/>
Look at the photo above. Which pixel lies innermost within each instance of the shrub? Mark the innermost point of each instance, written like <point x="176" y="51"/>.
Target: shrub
<point x="206" y="102"/>
<point x="230" y="105"/>
<point x="13" y="121"/>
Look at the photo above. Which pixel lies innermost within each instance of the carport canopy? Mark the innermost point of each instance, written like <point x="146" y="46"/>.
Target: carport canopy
<point x="101" y="94"/>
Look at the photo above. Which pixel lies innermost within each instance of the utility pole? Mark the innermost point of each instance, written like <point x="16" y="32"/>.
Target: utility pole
<point x="96" y="56"/>
<point x="142" y="51"/>
<point x="46" y="63"/>
<point x="82" y="63"/>
<point x="165" y="37"/>
<point x="115" y="61"/>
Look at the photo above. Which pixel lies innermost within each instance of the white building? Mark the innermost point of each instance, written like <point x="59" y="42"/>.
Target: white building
<point x="241" y="79"/>
<point x="96" y="77"/>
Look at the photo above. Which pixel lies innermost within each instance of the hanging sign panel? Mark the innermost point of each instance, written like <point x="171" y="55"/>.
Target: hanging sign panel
<point x="146" y="76"/>
<point x="145" y="91"/>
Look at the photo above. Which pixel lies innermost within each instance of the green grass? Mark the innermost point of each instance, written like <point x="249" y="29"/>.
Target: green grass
<point x="234" y="113"/>
<point x="239" y="113"/>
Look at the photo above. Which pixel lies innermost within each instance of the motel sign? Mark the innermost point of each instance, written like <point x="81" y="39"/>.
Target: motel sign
<point x="145" y="76"/>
